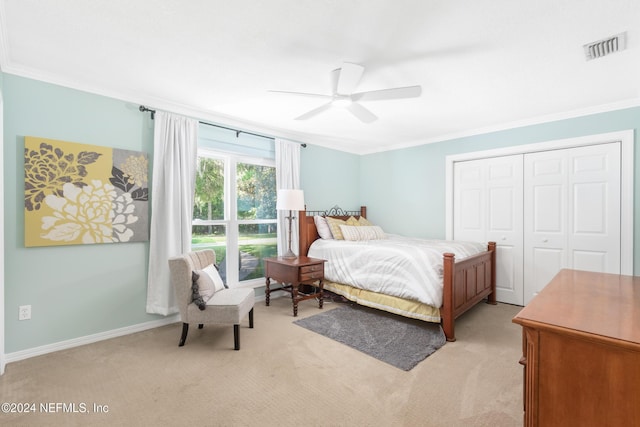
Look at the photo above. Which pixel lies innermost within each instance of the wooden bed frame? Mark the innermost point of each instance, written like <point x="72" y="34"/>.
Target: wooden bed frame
<point x="466" y="282"/>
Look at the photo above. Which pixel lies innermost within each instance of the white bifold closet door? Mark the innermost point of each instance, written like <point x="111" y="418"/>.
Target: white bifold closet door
<point x="488" y="207"/>
<point x="571" y="213"/>
<point x="546" y="211"/>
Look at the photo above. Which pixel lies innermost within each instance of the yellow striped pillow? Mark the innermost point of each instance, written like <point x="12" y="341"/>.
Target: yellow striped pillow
<point x="363" y="221"/>
<point x="363" y="232"/>
<point x="334" y="225"/>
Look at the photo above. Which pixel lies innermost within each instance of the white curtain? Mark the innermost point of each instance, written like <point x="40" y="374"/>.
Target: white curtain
<point x="175" y="152"/>
<point x="287" y="178"/>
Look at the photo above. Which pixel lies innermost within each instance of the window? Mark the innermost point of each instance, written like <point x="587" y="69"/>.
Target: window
<point x="235" y="214"/>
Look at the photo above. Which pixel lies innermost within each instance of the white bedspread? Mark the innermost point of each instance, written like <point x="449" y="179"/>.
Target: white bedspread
<point x="401" y="266"/>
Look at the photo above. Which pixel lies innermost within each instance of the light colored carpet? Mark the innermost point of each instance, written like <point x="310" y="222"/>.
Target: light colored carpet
<point x="283" y="375"/>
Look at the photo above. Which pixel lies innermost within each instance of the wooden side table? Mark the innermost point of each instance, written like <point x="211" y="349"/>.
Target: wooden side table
<point x="291" y="273"/>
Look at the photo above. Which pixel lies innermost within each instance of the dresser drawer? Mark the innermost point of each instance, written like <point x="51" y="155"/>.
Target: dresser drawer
<point x="311" y="272"/>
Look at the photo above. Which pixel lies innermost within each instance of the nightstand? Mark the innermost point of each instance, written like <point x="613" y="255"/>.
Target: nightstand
<point x="291" y="273"/>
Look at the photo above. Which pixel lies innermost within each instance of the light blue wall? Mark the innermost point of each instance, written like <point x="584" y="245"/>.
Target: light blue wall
<point x="329" y="177"/>
<point x="404" y="190"/>
<point x="74" y="291"/>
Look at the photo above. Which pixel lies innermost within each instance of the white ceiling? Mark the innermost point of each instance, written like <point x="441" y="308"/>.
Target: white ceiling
<point x="482" y="64"/>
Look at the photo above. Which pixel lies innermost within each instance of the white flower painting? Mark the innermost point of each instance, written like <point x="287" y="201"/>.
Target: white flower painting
<point x="93" y="213"/>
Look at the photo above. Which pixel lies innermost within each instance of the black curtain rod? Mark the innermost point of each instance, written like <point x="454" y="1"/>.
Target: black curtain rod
<point x="238" y="132"/>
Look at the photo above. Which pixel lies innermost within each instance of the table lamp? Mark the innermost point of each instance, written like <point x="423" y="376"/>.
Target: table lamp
<point x="290" y="200"/>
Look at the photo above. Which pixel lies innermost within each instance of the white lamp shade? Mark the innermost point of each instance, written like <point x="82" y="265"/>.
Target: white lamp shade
<point x="290" y="200"/>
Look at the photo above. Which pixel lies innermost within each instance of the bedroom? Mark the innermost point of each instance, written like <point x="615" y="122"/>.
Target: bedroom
<point x="70" y="289"/>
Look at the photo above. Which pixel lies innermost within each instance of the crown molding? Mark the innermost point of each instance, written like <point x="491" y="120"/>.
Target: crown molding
<point x="344" y="145"/>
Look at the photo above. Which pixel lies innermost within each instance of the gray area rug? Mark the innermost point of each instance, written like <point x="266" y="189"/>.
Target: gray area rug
<point x="393" y="339"/>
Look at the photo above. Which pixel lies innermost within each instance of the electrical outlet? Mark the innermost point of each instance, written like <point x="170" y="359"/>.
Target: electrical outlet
<point x="24" y="312"/>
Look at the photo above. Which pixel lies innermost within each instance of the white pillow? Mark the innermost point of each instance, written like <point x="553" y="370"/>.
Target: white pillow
<point x="209" y="282"/>
<point x="362" y="232"/>
<point x="212" y="272"/>
<point x="323" y="228"/>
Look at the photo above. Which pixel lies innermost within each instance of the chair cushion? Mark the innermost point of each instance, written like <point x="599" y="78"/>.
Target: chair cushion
<point x="228" y="306"/>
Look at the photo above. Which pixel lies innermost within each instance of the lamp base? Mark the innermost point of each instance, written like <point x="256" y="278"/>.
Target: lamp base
<point x="289" y="255"/>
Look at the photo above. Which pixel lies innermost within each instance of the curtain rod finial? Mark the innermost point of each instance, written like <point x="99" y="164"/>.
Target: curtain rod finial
<point x="143" y="109"/>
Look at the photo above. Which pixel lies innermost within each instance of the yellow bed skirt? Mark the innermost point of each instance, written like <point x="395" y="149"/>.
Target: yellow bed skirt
<point x="396" y="305"/>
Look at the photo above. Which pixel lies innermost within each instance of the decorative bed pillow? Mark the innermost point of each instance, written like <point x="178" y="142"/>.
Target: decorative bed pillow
<point x="371" y="232"/>
<point x="362" y="232"/>
<point x="364" y="221"/>
<point x="323" y="228"/>
<point x="352" y="221"/>
<point x="334" y="225"/>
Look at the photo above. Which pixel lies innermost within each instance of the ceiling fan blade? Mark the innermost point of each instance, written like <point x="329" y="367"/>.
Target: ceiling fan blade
<point x="361" y="113"/>
<point x="393" y="93"/>
<point x="350" y="75"/>
<point x="314" y="112"/>
<point x="335" y="77"/>
<point x="315" y="95"/>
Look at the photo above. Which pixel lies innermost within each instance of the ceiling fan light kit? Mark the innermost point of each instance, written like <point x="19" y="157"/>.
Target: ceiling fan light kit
<point x="341" y="101"/>
<point x="345" y="80"/>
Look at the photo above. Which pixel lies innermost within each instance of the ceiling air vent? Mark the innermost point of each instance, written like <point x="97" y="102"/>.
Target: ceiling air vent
<point x="605" y="47"/>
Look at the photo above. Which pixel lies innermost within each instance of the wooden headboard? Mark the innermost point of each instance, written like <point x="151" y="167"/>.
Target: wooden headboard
<point x="309" y="233"/>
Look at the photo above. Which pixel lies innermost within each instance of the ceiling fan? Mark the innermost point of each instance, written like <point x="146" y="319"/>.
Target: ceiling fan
<point x="344" y="83"/>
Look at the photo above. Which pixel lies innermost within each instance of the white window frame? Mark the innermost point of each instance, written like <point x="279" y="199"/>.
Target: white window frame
<point x="231" y="221"/>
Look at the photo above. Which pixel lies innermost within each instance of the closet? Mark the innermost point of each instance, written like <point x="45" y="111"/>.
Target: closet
<point x="548" y="207"/>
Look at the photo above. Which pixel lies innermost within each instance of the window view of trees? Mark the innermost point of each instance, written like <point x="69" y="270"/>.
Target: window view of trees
<point x="250" y="232"/>
<point x="209" y="196"/>
<point x="256" y="187"/>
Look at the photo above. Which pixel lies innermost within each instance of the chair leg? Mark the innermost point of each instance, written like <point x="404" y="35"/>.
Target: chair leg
<point x="251" y="318"/>
<point x="236" y="337"/>
<point x="185" y="330"/>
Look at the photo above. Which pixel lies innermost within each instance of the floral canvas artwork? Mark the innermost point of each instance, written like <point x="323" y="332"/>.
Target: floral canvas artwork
<point x="84" y="194"/>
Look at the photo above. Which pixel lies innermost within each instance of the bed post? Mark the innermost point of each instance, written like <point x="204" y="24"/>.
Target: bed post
<point x="491" y="298"/>
<point x="303" y="236"/>
<point x="446" y="313"/>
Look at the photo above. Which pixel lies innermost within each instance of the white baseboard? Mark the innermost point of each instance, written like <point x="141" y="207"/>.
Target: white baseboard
<point x="76" y="342"/>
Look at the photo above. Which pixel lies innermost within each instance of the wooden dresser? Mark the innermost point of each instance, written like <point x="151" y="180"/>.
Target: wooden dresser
<point x="581" y="351"/>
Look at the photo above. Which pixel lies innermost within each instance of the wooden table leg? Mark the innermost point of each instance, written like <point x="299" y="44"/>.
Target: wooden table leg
<point x="266" y="292"/>
<point x="294" y="298"/>
<point x="321" y="298"/>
